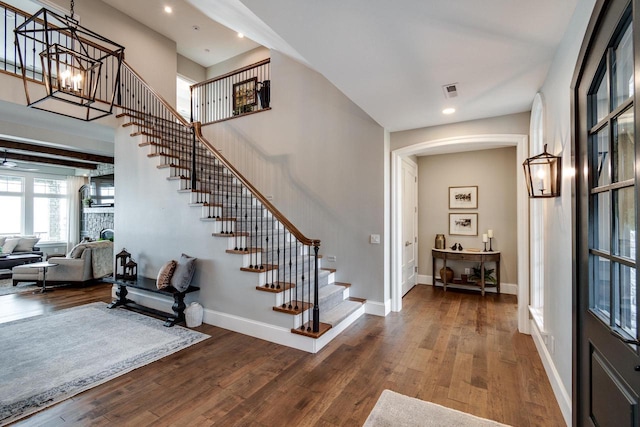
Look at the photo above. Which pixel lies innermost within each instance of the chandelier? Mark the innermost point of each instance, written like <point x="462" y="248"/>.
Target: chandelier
<point x="79" y="68"/>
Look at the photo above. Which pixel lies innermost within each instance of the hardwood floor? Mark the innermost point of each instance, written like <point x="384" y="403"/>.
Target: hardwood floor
<point x="456" y="349"/>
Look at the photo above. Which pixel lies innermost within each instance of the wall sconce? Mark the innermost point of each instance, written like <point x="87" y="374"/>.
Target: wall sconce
<point x="543" y="174"/>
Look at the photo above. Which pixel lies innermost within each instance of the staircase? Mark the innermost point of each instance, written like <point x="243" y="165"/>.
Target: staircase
<point x="285" y="265"/>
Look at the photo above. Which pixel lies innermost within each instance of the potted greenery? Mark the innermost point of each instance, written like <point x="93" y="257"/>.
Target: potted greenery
<point x="476" y="272"/>
<point x="87" y="201"/>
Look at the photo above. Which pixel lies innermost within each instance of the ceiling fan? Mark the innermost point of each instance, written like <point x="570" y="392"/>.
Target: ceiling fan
<point x="13" y="165"/>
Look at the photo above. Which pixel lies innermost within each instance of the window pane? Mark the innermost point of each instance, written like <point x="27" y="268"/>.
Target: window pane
<point x="11" y="214"/>
<point x="50" y="218"/>
<point x="601" y="285"/>
<point x="623" y="147"/>
<point x="11" y="184"/>
<point x="625" y="222"/>
<point x="49" y="186"/>
<point x="625" y="278"/>
<point x="602" y="224"/>
<point x="600" y="100"/>
<point x="622" y="69"/>
<point x="602" y="162"/>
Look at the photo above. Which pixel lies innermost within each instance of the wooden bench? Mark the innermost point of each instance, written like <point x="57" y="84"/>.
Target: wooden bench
<point x="149" y="285"/>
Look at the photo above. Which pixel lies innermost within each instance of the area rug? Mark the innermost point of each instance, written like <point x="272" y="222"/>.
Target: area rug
<point x="397" y="410"/>
<point x="6" y="287"/>
<point x="46" y="359"/>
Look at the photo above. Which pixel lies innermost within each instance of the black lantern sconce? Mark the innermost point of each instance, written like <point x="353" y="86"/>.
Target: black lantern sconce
<point x="79" y="68"/>
<point x="543" y="174"/>
<point x="122" y="259"/>
<point x="131" y="270"/>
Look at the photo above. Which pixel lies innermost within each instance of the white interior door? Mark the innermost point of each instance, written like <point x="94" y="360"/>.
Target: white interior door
<point x="409" y="225"/>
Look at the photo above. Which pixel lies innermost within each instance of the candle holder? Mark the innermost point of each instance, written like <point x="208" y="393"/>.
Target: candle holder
<point x="485" y="247"/>
<point x="490" y="244"/>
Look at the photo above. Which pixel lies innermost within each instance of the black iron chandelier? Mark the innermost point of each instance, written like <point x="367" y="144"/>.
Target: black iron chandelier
<point x="79" y="68"/>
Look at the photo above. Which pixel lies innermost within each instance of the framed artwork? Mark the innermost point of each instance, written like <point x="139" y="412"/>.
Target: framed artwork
<point x="463" y="197"/>
<point x="244" y="94"/>
<point x="463" y="224"/>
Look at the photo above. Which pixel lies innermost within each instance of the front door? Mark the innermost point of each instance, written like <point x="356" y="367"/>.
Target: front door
<point x="606" y="360"/>
<point x="409" y="225"/>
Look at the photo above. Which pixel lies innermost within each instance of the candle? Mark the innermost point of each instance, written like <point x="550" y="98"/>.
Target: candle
<point x="490" y="234"/>
<point x="541" y="185"/>
<point x="485" y="239"/>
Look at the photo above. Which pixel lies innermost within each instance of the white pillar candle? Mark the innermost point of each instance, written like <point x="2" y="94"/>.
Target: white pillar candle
<point x="485" y="238"/>
<point x="490" y="234"/>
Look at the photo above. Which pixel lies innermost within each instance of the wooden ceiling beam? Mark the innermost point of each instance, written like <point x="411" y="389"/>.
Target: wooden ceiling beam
<point x="13" y="145"/>
<point x="49" y="160"/>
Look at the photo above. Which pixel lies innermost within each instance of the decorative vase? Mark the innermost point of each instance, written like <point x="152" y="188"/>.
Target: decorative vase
<point x="441" y="242"/>
<point x="193" y="315"/>
<point x="446" y="274"/>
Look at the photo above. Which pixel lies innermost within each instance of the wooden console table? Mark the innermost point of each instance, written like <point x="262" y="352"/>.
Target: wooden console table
<point x="468" y="256"/>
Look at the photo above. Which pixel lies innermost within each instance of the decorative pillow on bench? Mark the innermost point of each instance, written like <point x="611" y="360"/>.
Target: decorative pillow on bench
<point x="181" y="278"/>
<point x="164" y="276"/>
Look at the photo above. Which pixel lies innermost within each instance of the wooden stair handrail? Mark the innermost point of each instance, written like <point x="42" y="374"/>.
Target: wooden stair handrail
<point x="231" y="73"/>
<point x="157" y="95"/>
<point x="197" y="127"/>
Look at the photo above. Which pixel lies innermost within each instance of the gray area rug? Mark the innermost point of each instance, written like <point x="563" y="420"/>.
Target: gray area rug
<point x="395" y="410"/>
<point x="46" y="359"/>
<point x="6" y="287"/>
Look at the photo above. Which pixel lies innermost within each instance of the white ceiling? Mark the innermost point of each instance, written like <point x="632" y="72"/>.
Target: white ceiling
<point x="389" y="57"/>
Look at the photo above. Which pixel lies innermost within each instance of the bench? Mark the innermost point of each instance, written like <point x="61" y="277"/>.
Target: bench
<point x="149" y="285"/>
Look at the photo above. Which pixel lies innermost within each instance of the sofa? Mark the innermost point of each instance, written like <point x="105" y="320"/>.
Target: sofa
<point x="87" y="261"/>
<point x="18" y="250"/>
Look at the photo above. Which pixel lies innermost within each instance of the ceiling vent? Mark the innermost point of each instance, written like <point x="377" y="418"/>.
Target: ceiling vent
<point x="450" y="90"/>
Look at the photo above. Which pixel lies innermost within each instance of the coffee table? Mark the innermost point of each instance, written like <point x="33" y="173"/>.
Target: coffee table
<point x="44" y="266"/>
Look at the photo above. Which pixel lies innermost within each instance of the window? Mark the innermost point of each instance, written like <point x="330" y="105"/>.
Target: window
<point x="612" y="194"/>
<point x="12" y="202"/>
<point x="50" y="209"/>
<point x="34" y="206"/>
<point x="183" y="99"/>
<point x="536" y="306"/>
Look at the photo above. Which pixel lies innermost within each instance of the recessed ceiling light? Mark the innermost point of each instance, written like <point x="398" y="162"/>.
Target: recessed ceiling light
<point x="448" y="111"/>
<point x="168" y="9"/>
<point x="241" y="35"/>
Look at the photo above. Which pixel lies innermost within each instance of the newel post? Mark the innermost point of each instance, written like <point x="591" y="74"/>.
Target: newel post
<point x="193" y="159"/>
<point x="316" y="309"/>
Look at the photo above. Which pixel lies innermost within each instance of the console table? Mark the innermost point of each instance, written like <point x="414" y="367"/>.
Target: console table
<point x="468" y="256"/>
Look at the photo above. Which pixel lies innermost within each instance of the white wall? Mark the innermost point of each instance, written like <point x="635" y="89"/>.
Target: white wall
<point x="494" y="172"/>
<point x="191" y="70"/>
<point x="558" y="245"/>
<point x="255" y="55"/>
<point x="322" y="159"/>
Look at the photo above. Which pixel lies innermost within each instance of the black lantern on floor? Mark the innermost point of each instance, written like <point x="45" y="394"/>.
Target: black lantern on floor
<point x="543" y="174"/>
<point x="122" y="259"/>
<point x="75" y="64"/>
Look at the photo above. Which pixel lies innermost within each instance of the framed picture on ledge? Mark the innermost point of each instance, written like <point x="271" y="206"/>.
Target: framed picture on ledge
<point x="244" y="96"/>
<point x="463" y="224"/>
<point x="463" y="197"/>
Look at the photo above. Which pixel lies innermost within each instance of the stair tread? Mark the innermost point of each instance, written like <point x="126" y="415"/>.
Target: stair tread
<point x="340" y="312"/>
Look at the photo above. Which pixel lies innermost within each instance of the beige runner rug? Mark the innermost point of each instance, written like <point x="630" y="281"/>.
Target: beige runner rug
<point x="393" y="409"/>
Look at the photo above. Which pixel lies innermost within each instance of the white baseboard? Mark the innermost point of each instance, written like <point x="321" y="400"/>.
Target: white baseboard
<point x="253" y="328"/>
<point x="378" y="308"/>
<point x="505" y="288"/>
<point x="562" y="396"/>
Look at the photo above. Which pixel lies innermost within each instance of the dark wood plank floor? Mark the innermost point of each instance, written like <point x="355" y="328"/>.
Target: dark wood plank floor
<point x="456" y="349"/>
